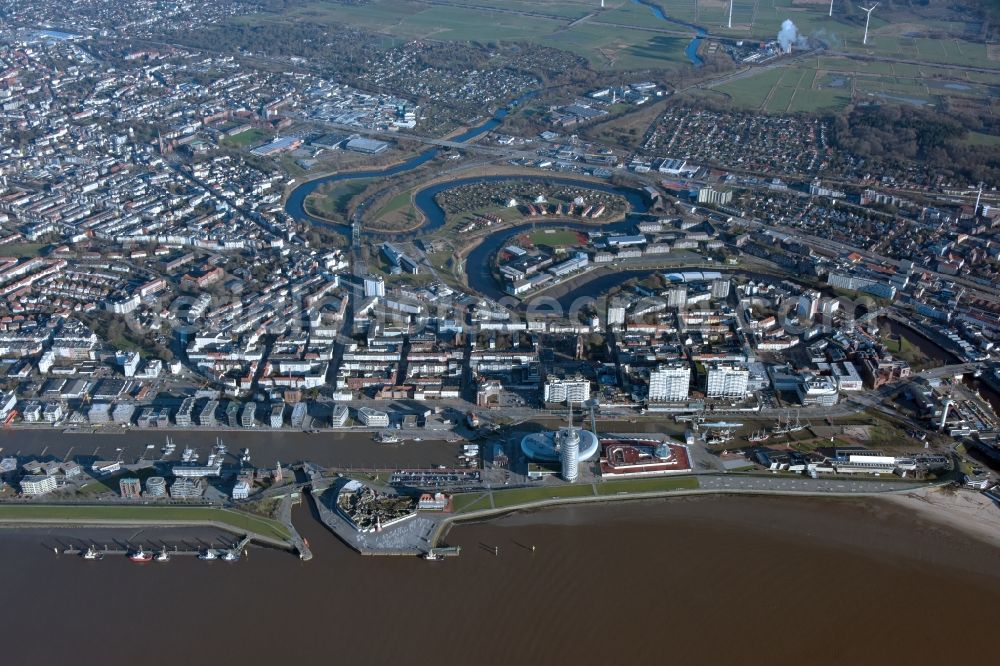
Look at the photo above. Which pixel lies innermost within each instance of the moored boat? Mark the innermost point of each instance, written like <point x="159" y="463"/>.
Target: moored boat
<point x="140" y="556"/>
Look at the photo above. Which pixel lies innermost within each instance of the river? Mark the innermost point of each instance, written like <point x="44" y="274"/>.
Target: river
<point x="702" y="581"/>
<point x="295" y="203"/>
<point x="692" y="48"/>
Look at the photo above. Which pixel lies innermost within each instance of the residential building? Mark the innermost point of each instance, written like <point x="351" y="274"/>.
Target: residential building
<point x="247" y="418"/>
<point x="338" y="418"/>
<point x="38" y="484"/>
<point x="241" y="490"/>
<point x="156" y="486"/>
<point x="566" y="390"/>
<point x="187" y="488"/>
<point x="374" y="286"/>
<point x="720" y="288"/>
<point x="130" y="487"/>
<point x="710" y="195"/>
<point x="670" y="382"/>
<point x="183" y="416"/>
<point x="726" y="381"/>
<point x="299" y="412"/>
<point x="277" y="415"/>
<point x="373" y="418"/>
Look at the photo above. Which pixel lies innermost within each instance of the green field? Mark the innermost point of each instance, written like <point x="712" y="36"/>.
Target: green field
<point x="518" y="496"/>
<point x="826" y="82"/>
<point x="332" y="203"/>
<point x="980" y="139"/>
<point x="659" y="484"/>
<point x="252" y="137"/>
<point x="152" y="514"/>
<point x="470" y="502"/>
<point x="555" y="238"/>
<point x="578" y="26"/>
<point x="21" y="249"/>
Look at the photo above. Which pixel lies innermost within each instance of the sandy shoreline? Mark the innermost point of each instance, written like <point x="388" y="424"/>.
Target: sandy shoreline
<point x="969" y="512"/>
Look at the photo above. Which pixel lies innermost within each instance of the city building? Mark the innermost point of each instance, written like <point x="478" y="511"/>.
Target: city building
<point x="206" y="417"/>
<point x="373" y="418"/>
<point x="247" y="419"/>
<point x="339" y="416"/>
<point x="156" y="486"/>
<point x="38" y="484"/>
<point x="818" y="390"/>
<point x="233" y="414"/>
<point x="183" y="416"/>
<point x="130" y="487"/>
<point x="710" y="195"/>
<point x="187" y="488"/>
<point x="677" y="297"/>
<point x="374" y="286"/>
<point x="642" y="457"/>
<point x="277" y="415"/>
<point x="720" y="288"/>
<point x="616" y="315"/>
<point x="241" y="490"/>
<point x="299" y="412"/>
<point x="670" y="382"/>
<point x="726" y="381"/>
<point x="566" y="390"/>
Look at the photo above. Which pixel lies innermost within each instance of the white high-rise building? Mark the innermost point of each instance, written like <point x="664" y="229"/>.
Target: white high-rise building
<point x="670" y="383"/>
<point x="808" y="304"/>
<point x="727" y="381"/>
<point x="720" y="288"/>
<point x="677" y="297"/>
<point x="616" y="315"/>
<point x="568" y="440"/>
<point x="374" y="286"/>
<point x="566" y="390"/>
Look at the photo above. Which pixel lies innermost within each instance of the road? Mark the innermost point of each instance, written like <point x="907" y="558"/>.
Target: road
<point x="799" y="484"/>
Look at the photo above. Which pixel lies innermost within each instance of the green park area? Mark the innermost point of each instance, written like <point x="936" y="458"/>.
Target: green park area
<point x="109" y="515"/>
<point x="331" y="201"/>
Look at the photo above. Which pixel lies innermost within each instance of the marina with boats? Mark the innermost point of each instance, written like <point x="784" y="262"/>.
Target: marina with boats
<point x="163" y="554"/>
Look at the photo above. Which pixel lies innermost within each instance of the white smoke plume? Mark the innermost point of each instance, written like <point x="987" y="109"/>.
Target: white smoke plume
<point x="788" y="35"/>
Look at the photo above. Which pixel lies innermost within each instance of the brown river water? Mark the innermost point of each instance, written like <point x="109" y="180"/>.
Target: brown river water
<point x="747" y="580"/>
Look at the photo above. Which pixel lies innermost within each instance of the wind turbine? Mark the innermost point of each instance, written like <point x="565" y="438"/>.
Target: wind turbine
<point x="867" y="20"/>
<point x="731" y="13"/>
<point x="831" y="7"/>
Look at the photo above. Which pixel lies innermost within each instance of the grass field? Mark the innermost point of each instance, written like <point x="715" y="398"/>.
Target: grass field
<point x="577" y="26"/>
<point x="398" y="212"/>
<point x="828" y="82"/>
<point x="21" y="249"/>
<point x="660" y="484"/>
<point x="251" y="137"/>
<point x="111" y="514"/>
<point x="470" y="502"/>
<point x="516" y="496"/>
<point x="554" y="238"/>
<point x="332" y="203"/>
